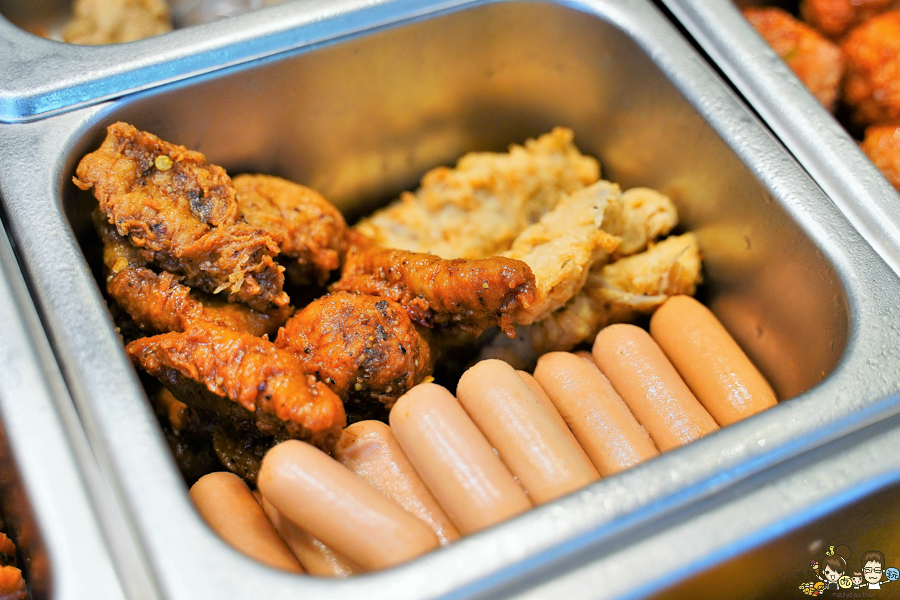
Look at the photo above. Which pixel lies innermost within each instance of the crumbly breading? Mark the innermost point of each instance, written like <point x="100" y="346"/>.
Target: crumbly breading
<point x="116" y="21"/>
<point x="618" y="292"/>
<point x="477" y="209"/>
<point x="643" y="215"/>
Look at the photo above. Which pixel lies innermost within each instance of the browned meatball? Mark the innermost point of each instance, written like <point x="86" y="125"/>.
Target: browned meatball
<point x="834" y="18"/>
<point x="882" y="145"/>
<point x="872" y="84"/>
<point x="364" y="348"/>
<point x="816" y="61"/>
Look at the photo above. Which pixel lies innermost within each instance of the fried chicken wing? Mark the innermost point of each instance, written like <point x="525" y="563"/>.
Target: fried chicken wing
<point x="468" y="294"/>
<point x="307" y="226"/>
<point x="182" y="215"/>
<point x="617" y="293"/>
<point x="242" y="378"/>
<point x="815" y="60"/>
<point x="477" y="209"/>
<point x="882" y="145"/>
<point x="834" y="18"/>
<point x="116" y="21"/>
<point x="872" y="83"/>
<point x="364" y="348"/>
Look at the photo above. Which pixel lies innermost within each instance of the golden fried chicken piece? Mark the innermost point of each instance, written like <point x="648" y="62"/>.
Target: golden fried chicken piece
<point x="617" y="293"/>
<point x="477" y="209"/>
<point x="815" y="60"/>
<point x="834" y="18"/>
<point x="242" y="378"/>
<point x="562" y="247"/>
<point x="363" y="347"/>
<point x="872" y="83"/>
<point x="471" y="295"/>
<point x="181" y="213"/>
<point x="642" y="216"/>
<point x="159" y="303"/>
<point x="882" y="145"/>
<point x="307" y="226"/>
<point x="116" y="21"/>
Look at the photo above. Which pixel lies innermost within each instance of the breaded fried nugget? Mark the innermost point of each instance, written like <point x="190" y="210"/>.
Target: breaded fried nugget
<point x="181" y="213"/>
<point x="872" y="84"/>
<point x="363" y="347"/>
<point x="477" y="209"/>
<point x="617" y="293"/>
<point x="834" y="18"/>
<point x="816" y="61"/>
<point x="307" y="226"/>
<point x="642" y="216"/>
<point x="116" y="21"/>
<point x="471" y="295"/>
<point x="242" y="378"/>
<point x="882" y="146"/>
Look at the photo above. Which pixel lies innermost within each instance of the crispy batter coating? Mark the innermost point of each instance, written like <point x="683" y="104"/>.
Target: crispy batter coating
<point x="468" y="294"/>
<point x="116" y="21"/>
<point x="182" y="214"/>
<point x="307" y="226"/>
<point x="617" y="293"/>
<point x="562" y="247"/>
<point x="363" y="347"/>
<point x="477" y="209"/>
<point x="834" y="18"/>
<point x="815" y="60"/>
<point x="882" y="146"/>
<point x="642" y="216"/>
<point x="872" y="83"/>
<point x="243" y="378"/>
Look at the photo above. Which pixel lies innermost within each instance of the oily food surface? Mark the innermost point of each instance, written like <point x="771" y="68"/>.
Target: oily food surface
<point x="197" y="261"/>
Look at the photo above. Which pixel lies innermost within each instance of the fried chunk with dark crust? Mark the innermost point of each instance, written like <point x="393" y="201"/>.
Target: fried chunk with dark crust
<point x="244" y="378"/>
<point x="471" y="295"/>
<point x="182" y="215"/>
<point x="363" y="347"/>
<point x="307" y="227"/>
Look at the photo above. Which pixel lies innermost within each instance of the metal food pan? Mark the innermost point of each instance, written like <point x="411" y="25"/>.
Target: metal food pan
<point x="361" y="118"/>
<point x="813" y="136"/>
<point x="46" y="470"/>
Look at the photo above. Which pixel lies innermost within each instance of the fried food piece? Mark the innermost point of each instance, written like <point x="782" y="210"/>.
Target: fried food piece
<point x="882" y="145"/>
<point x="242" y="378"/>
<point x="562" y="247"/>
<point x="872" y="83"/>
<point x="816" y="61"/>
<point x="307" y="226"/>
<point x="181" y="213"/>
<point x="834" y="18"/>
<point x="617" y="293"/>
<point x="363" y="347"/>
<point x="471" y="295"/>
<point x="642" y="216"/>
<point x="477" y="209"/>
<point x="116" y="21"/>
<point x="12" y="585"/>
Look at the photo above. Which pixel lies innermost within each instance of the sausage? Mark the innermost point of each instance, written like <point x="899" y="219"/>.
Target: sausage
<point x="455" y="460"/>
<point x="339" y="508"/>
<point x="314" y="556"/>
<point x="586" y="356"/>
<point x="594" y="411"/>
<point x="650" y="386"/>
<point x="369" y="449"/>
<point x="530" y="442"/>
<point x="724" y="380"/>
<point x="229" y="508"/>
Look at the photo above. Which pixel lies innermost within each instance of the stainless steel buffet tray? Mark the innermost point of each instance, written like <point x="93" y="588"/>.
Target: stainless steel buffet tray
<point x="361" y="118"/>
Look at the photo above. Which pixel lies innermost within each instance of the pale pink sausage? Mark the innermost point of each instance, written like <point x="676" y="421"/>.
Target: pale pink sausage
<point x="370" y="449"/>
<point x="542" y="396"/>
<point x="523" y="431"/>
<point x="339" y="508"/>
<point x="229" y="508"/>
<point x="455" y="460"/>
<point x="724" y="380"/>
<point x="650" y="385"/>
<point x="586" y="356"/>
<point x="596" y="414"/>
<point x="314" y="556"/>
